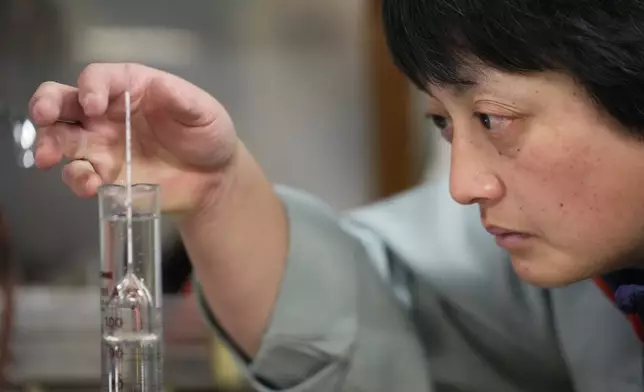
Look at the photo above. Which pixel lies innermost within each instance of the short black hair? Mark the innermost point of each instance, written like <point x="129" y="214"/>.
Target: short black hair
<point x="598" y="43"/>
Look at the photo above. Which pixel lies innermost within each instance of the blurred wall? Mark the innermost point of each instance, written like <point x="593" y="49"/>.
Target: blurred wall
<point x="291" y="73"/>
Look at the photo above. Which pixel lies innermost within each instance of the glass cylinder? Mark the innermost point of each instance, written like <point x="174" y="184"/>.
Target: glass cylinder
<point x="131" y="292"/>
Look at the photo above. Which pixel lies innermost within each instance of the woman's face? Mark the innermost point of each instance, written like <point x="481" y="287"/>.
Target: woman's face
<point x="559" y="184"/>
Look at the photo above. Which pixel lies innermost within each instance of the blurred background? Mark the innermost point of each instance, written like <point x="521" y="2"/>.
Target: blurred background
<point x="314" y="96"/>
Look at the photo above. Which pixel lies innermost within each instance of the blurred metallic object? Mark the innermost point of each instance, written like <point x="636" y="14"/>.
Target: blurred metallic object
<point x="23" y="134"/>
<point x="32" y="34"/>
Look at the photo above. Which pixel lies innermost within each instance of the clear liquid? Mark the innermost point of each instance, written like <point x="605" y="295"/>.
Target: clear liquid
<point x="146" y="252"/>
<point x="133" y="363"/>
<point x="132" y="349"/>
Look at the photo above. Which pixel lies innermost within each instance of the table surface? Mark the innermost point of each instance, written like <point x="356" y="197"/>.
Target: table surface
<point x="56" y="339"/>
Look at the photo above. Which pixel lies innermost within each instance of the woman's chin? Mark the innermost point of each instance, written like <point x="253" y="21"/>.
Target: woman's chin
<point x="552" y="273"/>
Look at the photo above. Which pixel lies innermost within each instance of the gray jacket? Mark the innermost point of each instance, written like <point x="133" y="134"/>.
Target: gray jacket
<point x="412" y="295"/>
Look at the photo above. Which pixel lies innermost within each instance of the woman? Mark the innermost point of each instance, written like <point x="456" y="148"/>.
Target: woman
<point x="543" y="104"/>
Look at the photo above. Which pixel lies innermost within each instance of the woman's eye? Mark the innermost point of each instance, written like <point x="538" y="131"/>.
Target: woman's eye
<point x="444" y="125"/>
<point x="439" y="121"/>
<point x="492" y="122"/>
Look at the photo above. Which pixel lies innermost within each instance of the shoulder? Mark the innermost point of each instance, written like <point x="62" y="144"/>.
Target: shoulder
<point x="452" y="257"/>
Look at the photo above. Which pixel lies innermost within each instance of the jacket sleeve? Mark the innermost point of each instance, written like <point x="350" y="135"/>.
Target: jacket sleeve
<point x="336" y="324"/>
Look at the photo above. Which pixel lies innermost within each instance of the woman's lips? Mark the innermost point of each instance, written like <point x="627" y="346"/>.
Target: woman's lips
<point x="508" y="239"/>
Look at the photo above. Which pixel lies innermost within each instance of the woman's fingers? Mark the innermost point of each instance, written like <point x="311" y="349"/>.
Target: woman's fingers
<point x="61" y="140"/>
<point x="99" y="84"/>
<point x="56" y="112"/>
<point x="81" y="178"/>
<point x="48" y="152"/>
<point x="71" y="124"/>
<point x="54" y="102"/>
